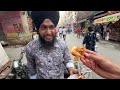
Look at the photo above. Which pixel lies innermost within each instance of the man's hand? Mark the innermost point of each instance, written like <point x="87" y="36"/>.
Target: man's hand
<point x="72" y="70"/>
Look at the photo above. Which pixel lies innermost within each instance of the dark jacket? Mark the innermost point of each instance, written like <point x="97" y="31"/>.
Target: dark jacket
<point x="90" y="40"/>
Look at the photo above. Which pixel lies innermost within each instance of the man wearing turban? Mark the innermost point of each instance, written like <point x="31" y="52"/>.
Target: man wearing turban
<point x="46" y="56"/>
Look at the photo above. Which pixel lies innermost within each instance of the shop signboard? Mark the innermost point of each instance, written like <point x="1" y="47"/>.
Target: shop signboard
<point x="12" y="25"/>
<point x="11" y="22"/>
<point x="109" y="18"/>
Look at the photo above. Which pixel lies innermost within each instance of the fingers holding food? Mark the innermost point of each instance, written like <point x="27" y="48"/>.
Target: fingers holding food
<point x="78" y="52"/>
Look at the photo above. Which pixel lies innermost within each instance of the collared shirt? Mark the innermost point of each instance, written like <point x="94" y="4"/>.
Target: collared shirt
<point x="64" y="31"/>
<point x="60" y="30"/>
<point x="47" y="63"/>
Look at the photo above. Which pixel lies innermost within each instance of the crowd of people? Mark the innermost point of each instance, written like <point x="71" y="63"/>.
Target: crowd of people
<point x="47" y="57"/>
<point x="104" y="30"/>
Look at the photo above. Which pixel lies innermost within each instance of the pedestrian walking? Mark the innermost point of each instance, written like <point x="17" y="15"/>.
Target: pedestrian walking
<point x="107" y="33"/>
<point x="78" y="30"/>
<point x="60" y="32"/>
<point x="90" y="39"/>
<point x="64" y="33"/>
<point x="102" y="30"/>
<point x="98" y="28"/>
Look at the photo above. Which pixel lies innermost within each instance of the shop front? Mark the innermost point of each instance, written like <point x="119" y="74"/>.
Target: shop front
<point x="115" y="31"/>
<point x="110" y="18"/>
<point x="15" y="31"/>
<point x="114" y="25"/>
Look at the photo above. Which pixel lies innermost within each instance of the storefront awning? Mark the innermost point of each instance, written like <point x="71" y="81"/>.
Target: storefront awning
<point x="109" y="18"/>
<point x="82" y="20"/>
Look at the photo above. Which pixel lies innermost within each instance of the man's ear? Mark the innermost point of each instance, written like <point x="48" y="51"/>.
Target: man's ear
<point x="56" y="30"/>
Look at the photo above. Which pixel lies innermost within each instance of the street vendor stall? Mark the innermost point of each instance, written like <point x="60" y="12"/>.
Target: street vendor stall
<point x="110" y="18"/>
<point x="114" y="25"/>
<point x="115" y="31"/>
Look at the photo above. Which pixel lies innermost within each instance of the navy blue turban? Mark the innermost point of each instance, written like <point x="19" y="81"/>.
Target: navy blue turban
<point x="39" y="16"/>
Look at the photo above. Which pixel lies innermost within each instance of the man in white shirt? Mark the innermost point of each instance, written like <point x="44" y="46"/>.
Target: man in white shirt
<point x="60" y="32"/>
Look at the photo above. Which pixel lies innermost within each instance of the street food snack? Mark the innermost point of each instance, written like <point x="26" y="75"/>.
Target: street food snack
<point x="78" y="52"/>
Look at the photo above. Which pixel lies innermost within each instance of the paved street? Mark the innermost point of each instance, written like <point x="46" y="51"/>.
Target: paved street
<point x="107" y="48"/>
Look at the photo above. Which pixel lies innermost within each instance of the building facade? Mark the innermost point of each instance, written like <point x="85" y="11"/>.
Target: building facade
<point x="14" y="27"/>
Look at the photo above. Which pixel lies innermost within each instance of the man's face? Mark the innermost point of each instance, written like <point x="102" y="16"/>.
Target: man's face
<point x="47" y="30"/>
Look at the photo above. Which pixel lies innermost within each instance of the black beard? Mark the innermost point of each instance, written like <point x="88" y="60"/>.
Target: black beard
<point x="45" y="43"/>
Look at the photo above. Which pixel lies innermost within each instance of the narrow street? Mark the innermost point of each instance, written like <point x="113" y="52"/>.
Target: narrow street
<point x="17" y="28"/>
<point x="107" y="48"/>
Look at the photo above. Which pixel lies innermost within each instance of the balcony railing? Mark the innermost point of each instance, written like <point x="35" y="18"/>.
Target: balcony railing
<point x="97" y="12"/>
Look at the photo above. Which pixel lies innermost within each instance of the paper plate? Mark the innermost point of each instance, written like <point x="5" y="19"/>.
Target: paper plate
<point x="74" y="76"/>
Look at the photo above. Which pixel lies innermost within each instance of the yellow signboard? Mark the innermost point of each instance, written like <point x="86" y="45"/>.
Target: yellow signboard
<point x="11" y="35"/>
<point x="109" y="18"/>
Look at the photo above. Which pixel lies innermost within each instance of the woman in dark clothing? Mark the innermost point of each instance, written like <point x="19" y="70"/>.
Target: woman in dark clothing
<point x="90" y="39"/>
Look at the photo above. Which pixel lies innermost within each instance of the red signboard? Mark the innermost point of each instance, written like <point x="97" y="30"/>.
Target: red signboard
<point x="11" y="22"/>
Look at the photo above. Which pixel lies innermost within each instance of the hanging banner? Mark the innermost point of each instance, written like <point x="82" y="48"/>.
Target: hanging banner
<point x="109" y="18"/>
